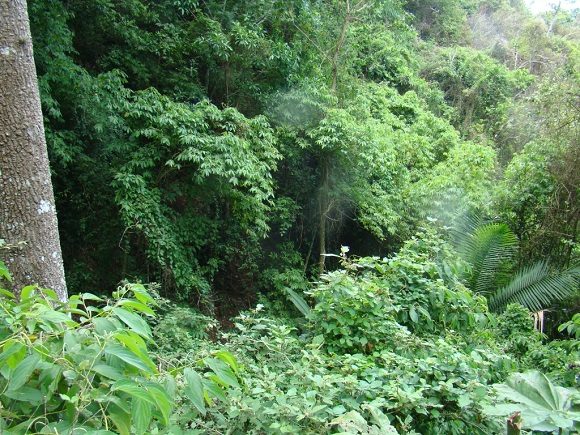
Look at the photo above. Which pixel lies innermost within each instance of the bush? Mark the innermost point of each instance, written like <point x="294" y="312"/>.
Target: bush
<point x="292" y="384"/>
<point x="353" y="314"/>
<point x="558" y="359"/>
<point x="363" y="360"/>
<point x="83" y="366"/>
<point x="515" y="320"/>
<point x="284" y="270"/>
<point x="179" y="328"/>
<point x="572" y="326"/>
<point x="361" y="307"/>
<point x="360" y="361"/>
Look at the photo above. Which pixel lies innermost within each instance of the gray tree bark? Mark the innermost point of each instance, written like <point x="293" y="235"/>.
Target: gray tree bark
<point x="28" y="220"/>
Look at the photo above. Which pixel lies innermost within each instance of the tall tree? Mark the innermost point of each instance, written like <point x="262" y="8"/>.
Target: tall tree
<point x="28" y="220"/>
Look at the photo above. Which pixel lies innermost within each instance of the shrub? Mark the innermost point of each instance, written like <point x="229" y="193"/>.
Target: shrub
<point x="353" y="314"/>
<point x="284" y="270"/>
<point x="179" y="328"/>
<point x="572" y="326"/>
<point x="516" y="319"/>
<point x="558" y="359"/>
<point x="293" y="385"/>
<point x="83" y="366"/>
<point x="361" y="305"/>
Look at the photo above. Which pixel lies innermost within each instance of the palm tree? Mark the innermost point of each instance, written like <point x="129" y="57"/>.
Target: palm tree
<point x="490" y="250"/>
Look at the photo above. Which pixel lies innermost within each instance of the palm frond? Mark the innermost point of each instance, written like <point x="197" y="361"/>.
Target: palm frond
<point x="536" y="288"/>
<point x="465" y="226"/>
<point x="489" y="249"/>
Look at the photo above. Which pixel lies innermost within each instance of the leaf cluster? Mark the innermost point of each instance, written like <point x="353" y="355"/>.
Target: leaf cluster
<point x="83" y="365"/>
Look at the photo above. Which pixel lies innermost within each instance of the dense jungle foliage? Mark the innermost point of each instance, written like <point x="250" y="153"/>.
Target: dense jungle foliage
<point x="340" y="216"/>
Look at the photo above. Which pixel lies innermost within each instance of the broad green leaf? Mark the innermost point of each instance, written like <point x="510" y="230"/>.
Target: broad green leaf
<point x="103" y="326"/>
<point x="141" y="415"/>
<point x="133" y="389"/>
<point x="223" y="372"/>
<point x="133" y="321"/>
<point x="141" y="294"/>
<point x="107" y="371"/>
<point x="131" y="340"/>
<point x="135" y="344"/>
<point x="98" y="432"/>
<point x="121" y="420"/>
<point x="51" y="294"/>
<point x="194" y="389"/>
<point x="318" y="340"/>
<point x="77" y="311"/>
<point x="22" y="372"/>
<point x="4" y="272"/>
<point x="25" y="394"/>
<point x="214" y="389"/>
<point x="229" y="359"/>
<point x="129" y="357"/>
<point x="57" y="317"/>
<point x="502" y="409"/>
<point x="137" y="306"/>
<point x="49" y="378"/>
<point x="11" y="347"/>
<point x="532" y="389"/>
<point x="22" y="428"/>
<point x="382" y="421"/>
<point x="413" y="315"/>
<point x="352" y="422"/>
<point x="91" y="297"/>
<point x="169" y="385"/>
<point x="7" y="294"/>
<point x="542" y="404"/>
<point x="61" y="427"/>
<point x="119" y="403"/>
<point x="27" y="292"/>
<point x="464" y="400"/>
<point x="16" y="358"/>
<point x="162" y="400"/>
<point x="299" y="302"/>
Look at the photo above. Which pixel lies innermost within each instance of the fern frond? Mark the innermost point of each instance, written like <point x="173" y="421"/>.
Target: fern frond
<point x="535" y="288"/>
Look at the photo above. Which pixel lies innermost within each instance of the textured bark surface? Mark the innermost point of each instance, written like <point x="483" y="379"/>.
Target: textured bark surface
<point x="27" y="212"/>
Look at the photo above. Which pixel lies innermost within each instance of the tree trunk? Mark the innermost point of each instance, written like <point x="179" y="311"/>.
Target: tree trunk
<point x="324" y="210"/>
<point x="554" y="18"/>
<point x="27" y="213"/>
<point x="339" y="44"/>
